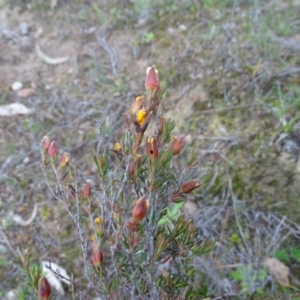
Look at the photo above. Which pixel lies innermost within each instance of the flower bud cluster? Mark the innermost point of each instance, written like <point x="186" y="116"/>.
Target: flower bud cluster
<point x="128" y="225"/>
<point x="144" y="107"/>
<point x="50" y="151"/>
<point x="142" y="110"/>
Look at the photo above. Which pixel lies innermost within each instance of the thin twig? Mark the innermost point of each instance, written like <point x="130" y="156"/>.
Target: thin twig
<point x="111" y="52"/>
<point x="7" y="242"/>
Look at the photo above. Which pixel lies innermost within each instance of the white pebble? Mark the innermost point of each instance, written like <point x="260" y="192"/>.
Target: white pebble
<point x="26" y="160"/>
<point x="16" y="86"/>
<point x="182" y="27"/>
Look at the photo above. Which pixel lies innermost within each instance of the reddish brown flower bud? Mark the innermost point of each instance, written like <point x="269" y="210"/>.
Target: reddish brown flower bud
<point x="45" y="143"/>
<point x="64" y="160"/>
<point x="151" y="148"/>
<point x="97" y="257"/>
<point x="86" y="192"/>
<point x="44" y="289"/>
<point x="190" y="185"/>
<point x="53" y="149"/>
<point x="140" y="209"/>
<point x="177" y="145"/>
<point x="135" y="165"/>
<point x="151" y="81"/>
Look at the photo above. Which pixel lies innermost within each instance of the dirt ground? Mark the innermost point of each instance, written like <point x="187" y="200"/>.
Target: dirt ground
<point x="231" y="70"/>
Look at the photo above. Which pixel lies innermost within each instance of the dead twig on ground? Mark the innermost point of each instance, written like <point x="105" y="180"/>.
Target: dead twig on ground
<point x="110" y="51"/>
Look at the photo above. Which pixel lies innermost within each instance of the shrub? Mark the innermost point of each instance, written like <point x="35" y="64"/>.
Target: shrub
<point x="126" y="250"/>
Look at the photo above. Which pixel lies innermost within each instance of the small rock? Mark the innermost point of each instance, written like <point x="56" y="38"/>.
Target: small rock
<point x="23" y="28"/>
<point x="182" y="27"/>
<point x="13" y="109"/>
<point x="11" y="295"/>
<point x="26" y="160"/>
<point x="26" y="92"/>
<point x="16" y="86"/>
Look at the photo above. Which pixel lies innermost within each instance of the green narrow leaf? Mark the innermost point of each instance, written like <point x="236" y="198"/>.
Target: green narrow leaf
<point x="97" y="163"/>
<point x="282" y="255"/>
<point x="295" y="253"/>
<point x="161" y="245"/>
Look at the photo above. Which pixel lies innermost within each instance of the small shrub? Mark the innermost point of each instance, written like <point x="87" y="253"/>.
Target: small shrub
<point x="127" y="248"/>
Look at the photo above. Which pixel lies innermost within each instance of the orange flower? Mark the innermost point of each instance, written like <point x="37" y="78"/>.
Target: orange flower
<point x="151" y="81"/>
<point x="177" y="145"/>
<point x="189" y="186"/>
<point x="44" y="289"/>
<point x="140" y="209"/>
<point x="151" y="148"/>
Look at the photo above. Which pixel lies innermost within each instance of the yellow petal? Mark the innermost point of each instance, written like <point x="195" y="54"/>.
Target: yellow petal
<point x="141" y="116"/>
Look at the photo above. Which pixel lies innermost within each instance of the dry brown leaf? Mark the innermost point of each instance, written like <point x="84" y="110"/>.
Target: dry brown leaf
<point x="27" y="92"/>
<point x="278" y="270"/>
<point x="13" y="109"/>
